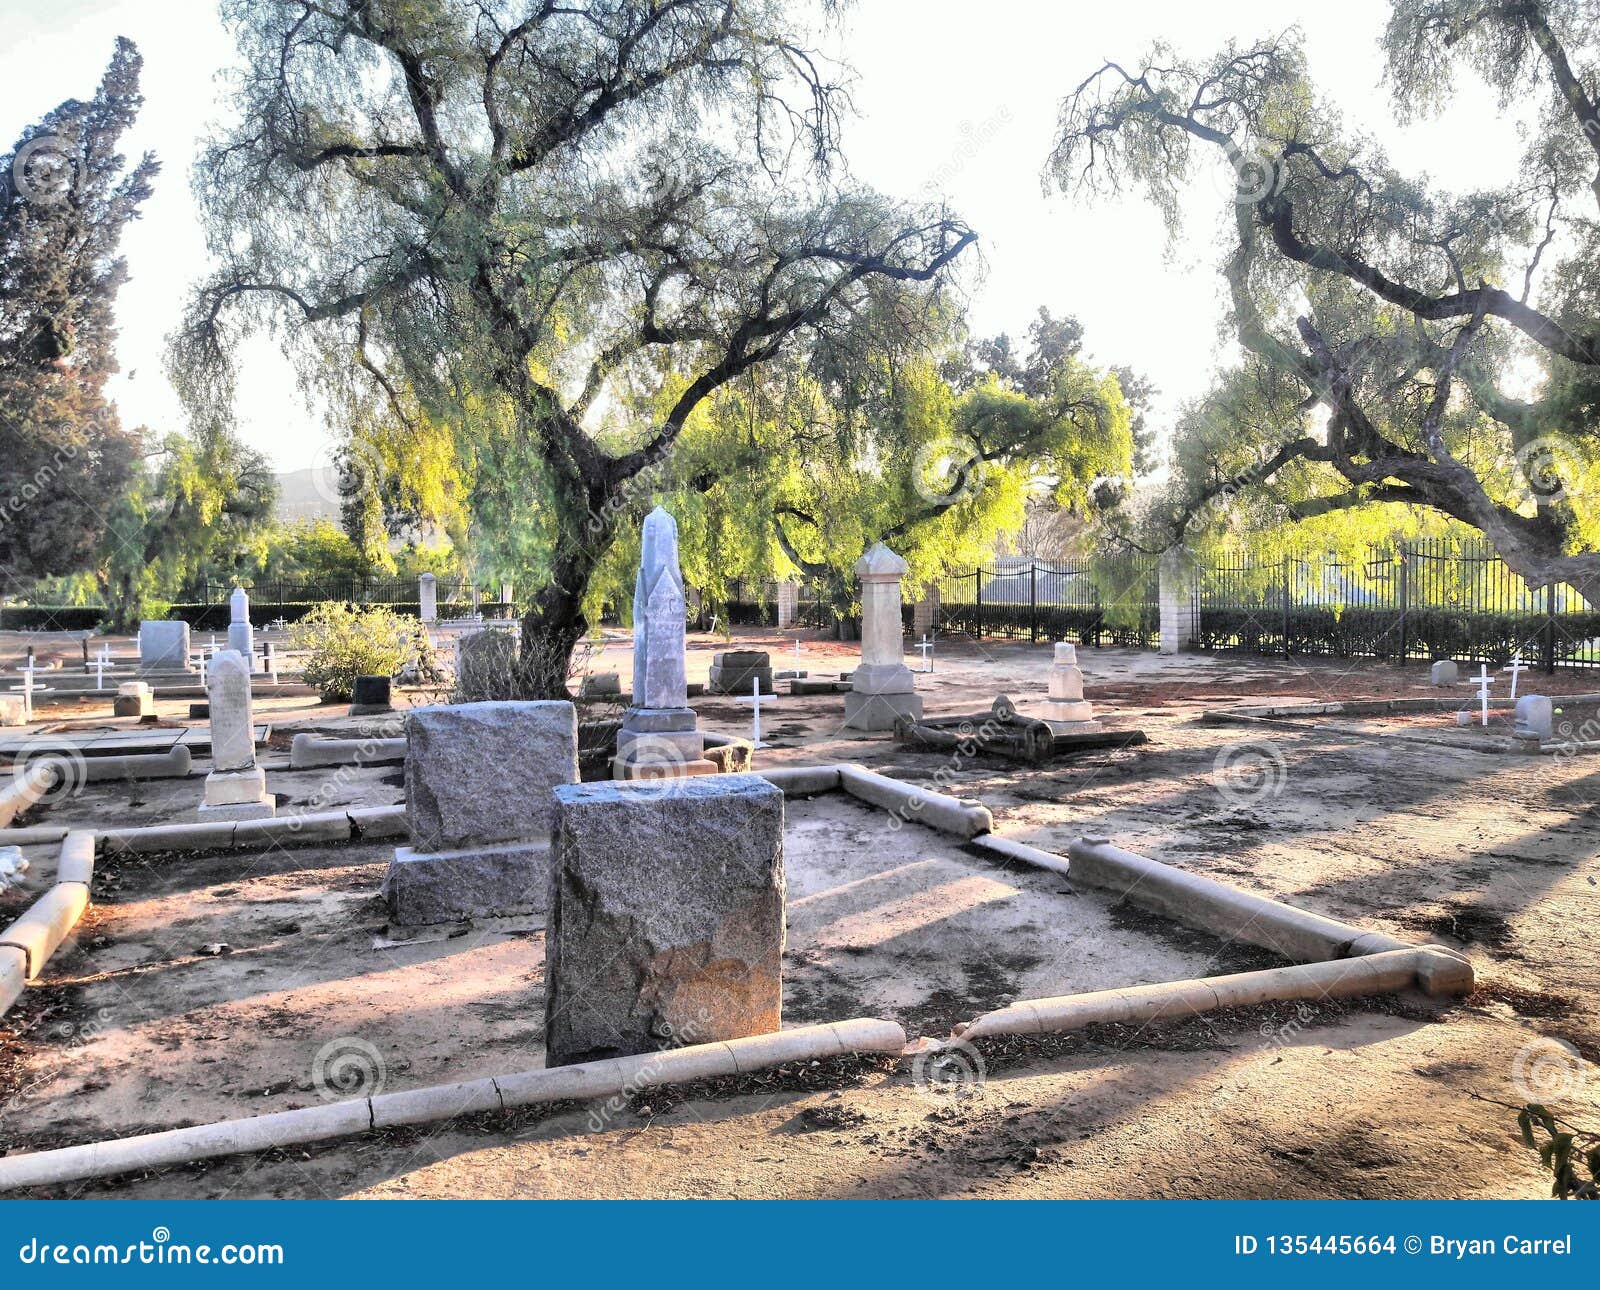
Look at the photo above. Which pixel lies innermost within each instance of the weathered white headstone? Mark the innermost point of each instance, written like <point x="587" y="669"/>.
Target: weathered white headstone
<point x="241" y="637"/>
<point x="1444" y="672"/>
<point x="236" y="788"/>
<point x="428" y="598"/>
<point x="1067" y="712"/>
<point x="882" y="687"/>
<point x="1535" y="717"/>
<point x="660" y="734"/>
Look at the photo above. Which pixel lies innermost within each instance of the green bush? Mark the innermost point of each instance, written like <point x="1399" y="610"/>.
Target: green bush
<point x="343" y="641"/>
<point x="51" y="618"/>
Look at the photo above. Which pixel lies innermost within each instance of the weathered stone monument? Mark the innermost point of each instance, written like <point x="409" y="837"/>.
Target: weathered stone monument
<point x="739" y="671"/>
<point x="666" y="917"/>
<point x="428" y="598"/>
<point x="660" y="736"/>
<point x="881" y="687"/>
<point x="1444" y="672"/>
<point x="134" y="699"/>
<point x="1534" y="718"/>
<point x="163" y="646"/>
<point x="788" y="603"/>
<point x="1066" y="711"/>
<point x="241" y="637"/>
<point x="479" y="778"/>
<point x="370" y="696"/>
<point x="236" y="788"/>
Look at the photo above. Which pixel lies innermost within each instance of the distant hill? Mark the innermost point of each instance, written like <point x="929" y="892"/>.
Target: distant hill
<point x="301" y="496"/>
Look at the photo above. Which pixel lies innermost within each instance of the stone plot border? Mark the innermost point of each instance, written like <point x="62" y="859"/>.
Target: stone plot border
<point x="27" y="944"/>
<point x="1331" y="959"/>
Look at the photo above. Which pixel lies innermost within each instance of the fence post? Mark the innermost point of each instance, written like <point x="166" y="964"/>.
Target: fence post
<point x="1286" y="606"/>
<point x="977" y="601"/>
<point x="1405" y="604"/>
<point x="1547" y="634"/>
<point x="1033" y="602"/>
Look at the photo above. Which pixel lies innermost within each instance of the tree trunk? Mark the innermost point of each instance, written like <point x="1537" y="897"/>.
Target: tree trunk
<point x="553" y="626"/>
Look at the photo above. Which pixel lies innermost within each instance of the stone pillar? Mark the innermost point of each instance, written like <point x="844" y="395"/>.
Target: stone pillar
<point x="236" y="788"/>
<point x="660" y="736"/>
<point x="506" y="599"/>
<point x="428" y="597"/>
<point x="881" y="687"/>
<point x="925" y="615"/>
<point x="241" y="637"/>
<point x="666" y="917"/>
<point x="1179" y="597"/>
<point x="788" y="603"/>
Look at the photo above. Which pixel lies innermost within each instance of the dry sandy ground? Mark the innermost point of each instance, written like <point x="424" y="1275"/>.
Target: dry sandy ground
<point x="1493" y="854"/>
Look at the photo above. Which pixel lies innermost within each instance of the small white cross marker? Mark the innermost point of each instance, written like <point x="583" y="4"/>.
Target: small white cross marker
<point x="1483" y="681"/>
<point x="926" y="646"/>
<point x="1516" y="667"/>
<point x="755" y="711"/>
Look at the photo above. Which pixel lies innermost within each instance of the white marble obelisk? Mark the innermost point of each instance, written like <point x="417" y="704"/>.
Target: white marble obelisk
<point x="241" y="636"/>
<point x="881" y="688"/>
<point x="236" y="788"/>
<point x="660" y="735"/>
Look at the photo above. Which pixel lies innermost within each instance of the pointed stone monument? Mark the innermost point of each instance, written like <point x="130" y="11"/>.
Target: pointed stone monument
<point x="1067" y="712"/>
<point x="241" y="637"/>
<point x="236" y="788"/>
<point x="882" y="687"/>
<point x="660" y="736"/>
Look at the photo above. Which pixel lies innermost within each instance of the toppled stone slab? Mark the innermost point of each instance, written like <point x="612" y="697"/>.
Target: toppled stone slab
<point x="478" y="774"/>
<point x="666" y="920"/>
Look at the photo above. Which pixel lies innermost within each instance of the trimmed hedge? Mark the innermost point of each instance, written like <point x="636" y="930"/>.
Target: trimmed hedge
<point x="51" y="618"/>
<point x="215" y="618"/>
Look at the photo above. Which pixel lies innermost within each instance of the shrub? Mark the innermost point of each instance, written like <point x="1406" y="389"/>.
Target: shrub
<point x="342" y="641"/>
<point x="51" y="618"/>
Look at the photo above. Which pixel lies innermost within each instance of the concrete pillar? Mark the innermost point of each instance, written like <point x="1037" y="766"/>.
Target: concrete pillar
<point x="428" y="596"/>
<point x="925" y="613"/>
<point x="788" y="603"/>
<point x="1179" y="594"/>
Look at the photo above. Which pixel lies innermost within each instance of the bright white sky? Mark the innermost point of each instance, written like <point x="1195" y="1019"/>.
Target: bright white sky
<point x="959" y="95"/>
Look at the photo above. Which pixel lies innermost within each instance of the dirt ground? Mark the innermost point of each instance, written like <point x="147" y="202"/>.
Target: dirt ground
<point x="1492" y="854"/>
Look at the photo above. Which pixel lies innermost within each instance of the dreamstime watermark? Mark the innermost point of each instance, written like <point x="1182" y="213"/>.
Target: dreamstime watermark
<point x="951" y="1069"/>
<point x="1547" y="465"/>
<point x="51" y="770"/>
<point x="1248" y="773"/>
<point x="948" y="471"/>
<point x="160" y="1250"/>
<point x="971" y="741"/>
<point x="344" y="472"/>
<point x="17" y="502"/>
<point x="47" y="170"/>
<point x="348" y="1067"/>
<point x="1251" y="176"/>
<point x="648" y="1075"/>
<point x="1548" y="1070"/>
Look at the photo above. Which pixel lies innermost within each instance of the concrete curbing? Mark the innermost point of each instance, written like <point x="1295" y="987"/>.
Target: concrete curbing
<point x="586" y="1081"/>
<point x="32" y="837"/>
<point x="307" y="751"/>
<point x="46" y="924"/>
<point x="1380" y="973"/>
<point x="27" y="789"/>
<point x="175" y="764"/>
<point x="1215" y="907"/>
<point x="936" y="810"/>
<point x="802" y="781"/>
<point x="13" y="975"/>
<point x="1010" y="849"/>
<point x="76" y="862"/>
<point x="284" y="830"/>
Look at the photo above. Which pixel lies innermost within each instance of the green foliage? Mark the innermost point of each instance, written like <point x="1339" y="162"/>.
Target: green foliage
<point x="1572" y="1155"/>
<point x="342" y="642"/>
<point x="64" y="455"/>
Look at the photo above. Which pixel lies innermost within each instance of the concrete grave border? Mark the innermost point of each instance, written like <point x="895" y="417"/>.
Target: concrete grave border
<point x="1329" y="959"/>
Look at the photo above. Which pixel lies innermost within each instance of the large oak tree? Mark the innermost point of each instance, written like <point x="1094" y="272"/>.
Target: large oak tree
<point x="1402" y="344"/>
<point x="556" y="229"/>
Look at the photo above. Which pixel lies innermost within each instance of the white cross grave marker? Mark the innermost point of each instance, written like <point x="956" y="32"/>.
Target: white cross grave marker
<point x="926" y="646"/>
<point x="1483" y="681"/>
<point x="755" y="711"/>
<point x="797" y="652"/>
<point x="1516" y="667"/>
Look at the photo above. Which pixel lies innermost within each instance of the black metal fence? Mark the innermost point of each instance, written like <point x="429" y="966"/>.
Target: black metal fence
<point x="205" y="603"/>
<point x="1418" y="600"/>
